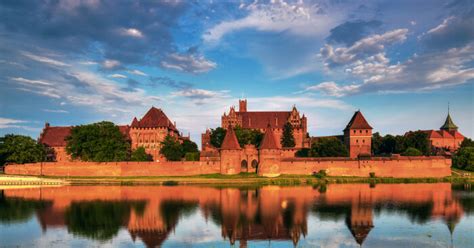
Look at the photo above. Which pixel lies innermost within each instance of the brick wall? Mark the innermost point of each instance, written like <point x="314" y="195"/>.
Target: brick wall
<point x="401" y="167"/>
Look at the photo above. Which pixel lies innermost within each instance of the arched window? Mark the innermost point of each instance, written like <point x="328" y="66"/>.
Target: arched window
<point x="254" y="164"/>
<point x="243" y="165"/>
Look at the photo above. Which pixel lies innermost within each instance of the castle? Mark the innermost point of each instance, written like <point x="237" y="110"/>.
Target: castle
<point x="148" y="132"/>
<point x="447" y="137"/>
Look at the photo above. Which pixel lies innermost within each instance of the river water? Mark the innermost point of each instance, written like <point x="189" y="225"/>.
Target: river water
<point x="335" y="215"/>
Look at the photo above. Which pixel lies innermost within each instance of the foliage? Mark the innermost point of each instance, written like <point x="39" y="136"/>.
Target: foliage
<point x="372" y="174"/>
<point x="217" y="136"/>
<point x="14" y="210"/>
<point x="464" y="158"/>
<point x="189" y="146"/>
<point x="467" y="142"/>
<point x="377" y="140"/>
<point x="99" y="142"/>
<point x="328" y="147"/>
<point x="320" y="174"/>
<point x="287" y="139"/>
<point x="418" y="140"/>
<point x="191" y="156"/>
<point x="139" y="154"/>
<point x="303" y="153"/>
<point x="20" y="149"/>
<point x="248" y="136"/>
<point x="410" y="151"/>
<point x="171" y="149"/>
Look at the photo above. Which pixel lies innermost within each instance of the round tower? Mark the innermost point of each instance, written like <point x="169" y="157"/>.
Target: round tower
<point x="269" y="155"/>
<point x="230" y="153"/>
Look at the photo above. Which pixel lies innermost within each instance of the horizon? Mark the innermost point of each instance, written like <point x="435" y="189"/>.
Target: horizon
<point x="73" y="63"/>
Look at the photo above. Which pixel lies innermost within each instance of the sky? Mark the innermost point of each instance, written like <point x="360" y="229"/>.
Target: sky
<point x="74" y="62"/>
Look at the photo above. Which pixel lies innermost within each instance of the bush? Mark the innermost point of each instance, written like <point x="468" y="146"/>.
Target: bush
<point x="464" y="158"/>
<point x="372" y="174"/>
<point x="329" y="147"/>
<point x="320" y="174"/>
<point x="303" y="153"/>
<point x="410" y="151"/>
<point x="171" y="149"/>
<point x="170" y="183"/>
<point x="139" y="154"/>
<point x="191" y="156"/>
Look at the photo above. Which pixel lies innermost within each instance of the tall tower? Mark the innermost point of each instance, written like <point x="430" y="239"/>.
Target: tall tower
<point x="449" y="124"/>
<point x="358" y="136"/>
<point x="243" y="105"/>
<point x="230" y="153"/>
<point x="269" y="155"/>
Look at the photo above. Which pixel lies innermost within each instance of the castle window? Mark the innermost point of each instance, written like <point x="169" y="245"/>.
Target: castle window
<point x="363" y="141"/>
<point x="366" y="131"/>
<point x="360" y="131"/>
<point x="354" y="131"/>
<point x="357" y="141"/>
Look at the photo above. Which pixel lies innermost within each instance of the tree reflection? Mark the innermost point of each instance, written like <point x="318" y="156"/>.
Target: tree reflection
<point x="15" y="210"/>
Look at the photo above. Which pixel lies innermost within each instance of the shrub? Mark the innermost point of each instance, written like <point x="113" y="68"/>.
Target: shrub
<point x="191" y="156"/>
<point x="372" y="174"/>
<point x="170" y="183"/>
<point x="139" y="154"/>
<point x="464" y="158"/>
<point x="303" y="153"/>
<point x="320" y="174"/>
<point x="410" y="151"/>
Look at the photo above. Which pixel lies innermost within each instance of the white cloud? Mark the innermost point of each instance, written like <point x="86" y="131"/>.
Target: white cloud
<point x="43" y="59"/>
<point x="62" y="111"/>
<point x="333" y="89"/>
<point x="133" y="32"/>
<point x="111" y="64"/>
<point x="29" y="81"/>
<point x="116" y="75"/>
<point x="365" y="47"/>
<point x="441" y="27"/>
<point x="13" y="123"/>
<point x="278" y="16"/>
<point x="137" y="72"/>
<point x="188" y="62"/>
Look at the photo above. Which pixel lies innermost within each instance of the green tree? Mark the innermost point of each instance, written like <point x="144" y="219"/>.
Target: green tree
<point x="189" y="146"/>
<point x="418" y="140"/>
<point x="328" y="147"/>
<point x="464" y="158"/>
<point x="248" y="136"/>
<point x="287" y="139"/>
<point x="467" y="142"/>
<point x="20" y="149"/>
<point x="377" y="140"/>
<point x="99" y="142"/>
<point x="140" y="154"/>
<point x="303" y="153"/>
<point x="171" y="149"/>
<point x="410" y="151"/>
<point x="217" y="136"/>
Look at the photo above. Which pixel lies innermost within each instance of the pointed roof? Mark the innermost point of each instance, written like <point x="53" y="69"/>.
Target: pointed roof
<point x="449" y="124"/>
<point x="134" y="122"/>
<point x="358" y="122"/>
<point x="230" y="140"/>
<point x="269" y="141"/>
<point x="154" y="118"/>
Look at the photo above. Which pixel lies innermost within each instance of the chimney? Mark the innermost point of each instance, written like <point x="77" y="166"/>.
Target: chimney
<point x="243" y="105"/>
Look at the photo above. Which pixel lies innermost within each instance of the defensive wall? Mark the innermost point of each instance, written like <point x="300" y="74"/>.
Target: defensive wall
<point x="397" y="167"/>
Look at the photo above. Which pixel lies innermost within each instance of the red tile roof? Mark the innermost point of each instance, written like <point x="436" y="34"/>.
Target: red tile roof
<point x="260" y="120"/>
<point x="56" y="136"/>
<point x="230" y="140"/>
<point x="457" y="134"/>
<point x="269" y="141"/>
<point x="154" y="118"/>
<point x="358" y="122"/>
<point x="443" y="134"/>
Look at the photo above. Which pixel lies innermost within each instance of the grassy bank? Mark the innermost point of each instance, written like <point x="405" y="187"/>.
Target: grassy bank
<point x="240" y="179"/>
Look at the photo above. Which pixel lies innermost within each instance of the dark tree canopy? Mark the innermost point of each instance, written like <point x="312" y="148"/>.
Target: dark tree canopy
<point x="328" y="147"/>
<point x="287" y="139"/>
<point x="248" y="136"/>
<point x="99" y="142"/>
<point x="418" y="140"/>
<point x="389" y="144"/>
<point x="140" y="154"/>
<point x="20" y="149"/>
<point x="410" y="151"/>
<point x="467" y="142"/>
<point x="189" y="146"/>
<point x="377" y="141"/>
<point x="464" y="158"/>
<point x="217" y="136"/>
<point x="171" y="149"/>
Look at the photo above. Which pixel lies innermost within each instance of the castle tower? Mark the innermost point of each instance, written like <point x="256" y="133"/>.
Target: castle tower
<point x="243" y="105"/>
<point x="230" y="153"/>
<point x="358" y="136"/>
<point x="449" y="124"/>
<point x="270" y="155"/>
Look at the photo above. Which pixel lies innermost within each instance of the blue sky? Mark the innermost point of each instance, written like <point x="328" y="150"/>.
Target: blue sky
<point x="76" y="62"/>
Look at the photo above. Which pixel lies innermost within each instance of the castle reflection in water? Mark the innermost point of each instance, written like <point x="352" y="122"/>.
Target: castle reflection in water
<point x="151" y="213"/>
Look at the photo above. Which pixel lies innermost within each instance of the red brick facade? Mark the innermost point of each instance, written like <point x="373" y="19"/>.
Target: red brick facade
<point x="358" y="136"/>
<point x="446" y="138"/>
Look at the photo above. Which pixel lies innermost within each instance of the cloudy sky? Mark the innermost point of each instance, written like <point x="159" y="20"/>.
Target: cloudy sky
<point x="72" y="62"/>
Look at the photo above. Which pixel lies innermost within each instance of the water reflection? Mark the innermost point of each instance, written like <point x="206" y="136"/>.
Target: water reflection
<point x="151" y="213"/>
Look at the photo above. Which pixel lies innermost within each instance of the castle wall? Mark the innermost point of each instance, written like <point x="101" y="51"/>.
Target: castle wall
<point x="270" y="164"/>
<point x="401" y="167"/>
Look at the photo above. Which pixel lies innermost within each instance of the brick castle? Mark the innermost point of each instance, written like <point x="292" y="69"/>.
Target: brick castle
<point x="269" y="159"/>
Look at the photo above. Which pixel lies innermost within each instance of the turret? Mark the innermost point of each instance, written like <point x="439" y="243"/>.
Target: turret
<point x="358" y="136"/>
<point x="243" y="105"/>
<point x="230" y="153"/>
<point x="269" y="155"/>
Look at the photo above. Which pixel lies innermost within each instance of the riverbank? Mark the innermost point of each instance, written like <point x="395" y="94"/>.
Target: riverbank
<point x="218" y="179"/>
